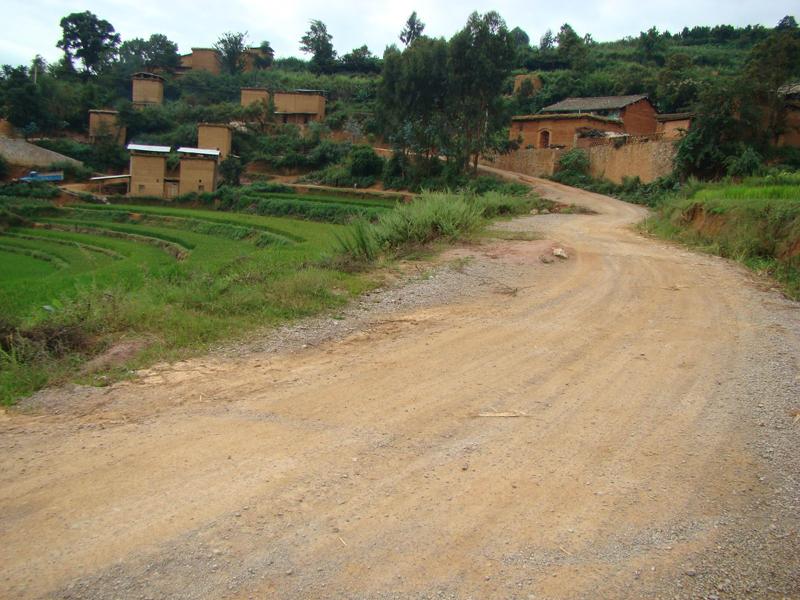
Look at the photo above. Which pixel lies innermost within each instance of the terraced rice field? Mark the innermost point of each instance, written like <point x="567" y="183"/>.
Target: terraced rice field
<point x="181" y="278"/>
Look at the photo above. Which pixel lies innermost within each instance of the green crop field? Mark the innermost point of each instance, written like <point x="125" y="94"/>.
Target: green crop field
<point x="76" y="279"/>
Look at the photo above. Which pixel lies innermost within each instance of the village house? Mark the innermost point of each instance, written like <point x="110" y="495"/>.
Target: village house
<point x="673" y="126"/>
<point x="560" y="130"/>
<point x="637" y="113"/>
<point x="148" y="170"/>
<point x="198" y="170"/>
<point x="148" y="89"/>
<point x="215" y="136"/>
<point x="105" y="123"/>
<point x="299" y="106"/>
<point x="207" y="59"/>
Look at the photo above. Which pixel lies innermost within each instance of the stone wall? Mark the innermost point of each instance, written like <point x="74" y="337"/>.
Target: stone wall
<point x="644" y="158"/>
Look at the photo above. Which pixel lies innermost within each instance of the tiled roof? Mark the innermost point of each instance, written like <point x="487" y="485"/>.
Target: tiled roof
<point x="594" y="103"/>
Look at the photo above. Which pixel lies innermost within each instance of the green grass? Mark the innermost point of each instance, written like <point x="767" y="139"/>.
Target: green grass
<point x="756" y="222"/>
<point x="86" y="276"/>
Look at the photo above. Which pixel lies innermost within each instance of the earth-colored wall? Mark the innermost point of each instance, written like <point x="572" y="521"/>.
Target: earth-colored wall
<point x="214" y="137"/>
<point x="562" y="130"/>
<point x="647" y="160"/>
<point x="147" y="92"/>
<point x="252" y="95"/>
<point x="106" y="123"/>
<point x="198" y="175"/>
<point x="639" y="118"/>
<point x="286" y="102"/>
<point x="147" y="175"/>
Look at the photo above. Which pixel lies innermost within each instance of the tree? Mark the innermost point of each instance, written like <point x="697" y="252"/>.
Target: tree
<point x="157" y="52"/>
<point x="571" y="48"/>
<point x="265" y="56"/>
<point x="480" y="57"/>
<point x="412" y="29"/>
<point x="651" y="46"/>
<point x="231" y="50"/>
<point x="361" y="60"/>
<point x="787" y="23"/>
<point x="317" y="42"/>
<point x="89" y="39"/>
<point x="230" y="170"/>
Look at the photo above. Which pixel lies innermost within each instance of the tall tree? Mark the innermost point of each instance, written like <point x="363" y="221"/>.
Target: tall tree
<point x="571" y="48"/>
<point x="231" y="49"/>
<point x="480" y="57"/>
<point x="317" y="42"/>
<point x="412" y="29"/>
<point x="361" y="60"/>
<point x="265" y="56"/>
<point x="88" y="38"/>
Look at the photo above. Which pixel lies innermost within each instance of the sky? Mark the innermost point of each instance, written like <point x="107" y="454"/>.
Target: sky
<point x="31" y="27"/>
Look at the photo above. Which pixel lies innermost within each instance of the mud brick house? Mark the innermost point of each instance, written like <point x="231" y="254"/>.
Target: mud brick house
<point x="673" y="126"/>
<point x="106" y="123"/>
<point x="299" y="106"/>
<point x="148" y="89"/>
<point x="198" y="171"/>
<point x="559" y="130"/>
<point x="252" y="95"/>
<point x="636" y="113"/>
<point x="148" y="169"/>
<point x="206" y="59"/>
<point x="215" y="136"/>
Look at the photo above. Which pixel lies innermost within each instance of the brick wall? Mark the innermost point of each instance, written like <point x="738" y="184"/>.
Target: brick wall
<point x="648" y="160"/>
<point x="300" y="103"/>
<point x="197" y="175"/>
<point x="214" y="137"/>
<point x="148" y="91"/>
<point x="562" y="131"/>
<point x="639" y="118"/>
<point x="252" y="95"/>
<point x="147" y="175"/>
<point x="102" y="123"/>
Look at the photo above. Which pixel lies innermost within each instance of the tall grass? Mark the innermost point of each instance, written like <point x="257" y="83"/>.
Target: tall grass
<point x="434" y="216"/>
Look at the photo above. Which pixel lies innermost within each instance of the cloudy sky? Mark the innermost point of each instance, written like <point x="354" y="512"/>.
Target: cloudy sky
<point x="29" y="27"/>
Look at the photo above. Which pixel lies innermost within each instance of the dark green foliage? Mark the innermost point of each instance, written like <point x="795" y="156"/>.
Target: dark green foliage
<point x="365" y="162"/>
<point x="29" y="190"/>
<point x="88" y="38"/>
<point x="231" y="170"/>
<point x="5" y="170"/>
<point x="317" y="43"/>
<point x="231" y="49"/>
<point x="105" y="155"/>
<point x="156" y="52"/>
<point x="412" y="29"/>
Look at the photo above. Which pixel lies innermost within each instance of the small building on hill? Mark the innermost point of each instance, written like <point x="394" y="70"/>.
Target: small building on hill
<point x="207" y="59"/>
<point x="252" y="95"/>
<point x="106" y="123"/>
<point x="215" y="136"/>
<point x="198" y="171"/>
<point x="147" y="89"/>
<point x="637" y="113"/>
<point x="673" y="125"/>
<point x="560" y="130"/>
<point x="148" y="169"/>
<point x="299" y="106"/>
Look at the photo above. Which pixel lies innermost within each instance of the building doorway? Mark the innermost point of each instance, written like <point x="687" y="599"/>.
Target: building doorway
<point x="544" y="139"/>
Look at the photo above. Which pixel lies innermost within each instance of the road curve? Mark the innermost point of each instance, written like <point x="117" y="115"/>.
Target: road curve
<point x="617" y="424"/>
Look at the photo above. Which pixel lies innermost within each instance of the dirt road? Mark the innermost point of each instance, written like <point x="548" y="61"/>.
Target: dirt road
<point x="654" y="454"/>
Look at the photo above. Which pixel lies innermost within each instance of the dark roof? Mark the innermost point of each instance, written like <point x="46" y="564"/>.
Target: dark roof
<point x="145" y="75"/>
<point x="560" y="116"/>
<point x="595" y="103"/>
<point x="675" y="116"/>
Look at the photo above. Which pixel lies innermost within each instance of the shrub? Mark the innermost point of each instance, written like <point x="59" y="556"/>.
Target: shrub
<point x="364" y="162"/>
<point x="5" y="170"/>
<point x="747" y="162"/>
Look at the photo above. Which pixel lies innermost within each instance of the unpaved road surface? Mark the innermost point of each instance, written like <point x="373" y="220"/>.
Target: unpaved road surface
<point x="654" y="455"/>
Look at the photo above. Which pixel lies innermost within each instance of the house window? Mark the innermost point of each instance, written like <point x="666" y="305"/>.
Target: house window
<point x="201" y="188"/>
<point x="141" y="187"/>
<point x="544" y="139"/>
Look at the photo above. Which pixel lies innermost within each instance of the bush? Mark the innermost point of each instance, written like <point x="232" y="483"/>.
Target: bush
<point x="338" y="176"/>
<point x="364" y="162"/>
<point x="71" y="170"/>
<point x="30" y="190"/>
<point x="747" y="162"/>
<point x="5" y="170"/>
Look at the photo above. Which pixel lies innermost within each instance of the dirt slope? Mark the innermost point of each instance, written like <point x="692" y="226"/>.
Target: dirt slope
<point x="655" y="455"/>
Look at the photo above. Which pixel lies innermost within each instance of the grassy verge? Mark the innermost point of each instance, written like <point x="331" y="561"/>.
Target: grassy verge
<point x="756" y="222"/>
<point x="433" y="217"/>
